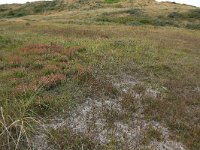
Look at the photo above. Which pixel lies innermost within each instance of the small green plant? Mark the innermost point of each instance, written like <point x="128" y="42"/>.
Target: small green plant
<point x="38" y="65"/>
<point x="112" y="1"/>
<point x="20" y="74"/>
<point x="16" y="14"/>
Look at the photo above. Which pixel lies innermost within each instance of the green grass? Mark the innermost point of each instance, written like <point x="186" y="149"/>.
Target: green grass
<point x="112" y="1"/>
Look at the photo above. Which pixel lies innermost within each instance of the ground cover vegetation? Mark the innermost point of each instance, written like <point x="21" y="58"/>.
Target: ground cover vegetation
<point x="85" y="75"/>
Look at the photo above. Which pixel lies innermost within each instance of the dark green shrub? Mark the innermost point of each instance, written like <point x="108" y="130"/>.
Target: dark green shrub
<point x="103" y="19"/>
<point x="2" y="9"/>
<point x="163" y="22"/>
<point x="11" y="13"/>
<point x="16" y="13"/>
<point x="146" y="21"/>
<point x="136" y="12"/>
<point x="194" y="14"/>
<point x="20" y="14"/>
<point x="193" y="26"/>
<point x="174" y="15"/>
<point x="134" y="23"/>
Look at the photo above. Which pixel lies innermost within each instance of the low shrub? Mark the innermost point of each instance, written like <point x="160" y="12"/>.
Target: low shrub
<point x="16" y="14"/>
<point x="146" y="21"/>
<point x="134" y="23"/>
<point x="193" y="26"/>
<point x="174" y="15"/>
<point x="162" y="22"/>
<point x="3" y="9"/>
<point x="194" y="14"/>
<point x="136" y="12"/>
<point x="103" y="19"/>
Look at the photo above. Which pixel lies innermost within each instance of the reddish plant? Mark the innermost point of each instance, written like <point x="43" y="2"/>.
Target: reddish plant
<point x="52" y="67"/>
<point x="82" y="70"/>
<point x="52" y="80"/>
<point x="42" y="48"/>
<point x="25" y="88"/>
<point x="15" y="60"/>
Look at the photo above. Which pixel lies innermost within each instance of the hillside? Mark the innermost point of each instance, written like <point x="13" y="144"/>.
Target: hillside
<point x="145" y="12"/>
<point x="99" y="75"/>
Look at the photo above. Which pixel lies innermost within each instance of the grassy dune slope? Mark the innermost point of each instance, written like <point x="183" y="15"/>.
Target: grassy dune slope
<point x="107" y="75"/>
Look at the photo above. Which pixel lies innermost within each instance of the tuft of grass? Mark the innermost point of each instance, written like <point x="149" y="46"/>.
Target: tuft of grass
<point x="112" y="1"/>
<point x="16" y="124"/>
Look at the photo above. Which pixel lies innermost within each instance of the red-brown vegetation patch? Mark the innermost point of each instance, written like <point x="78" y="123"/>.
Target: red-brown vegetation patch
<point x="42" y="48"/>
<point x="25" y="88"/>
<point x="82" y="70"/>
<point x="15" y="60"/>
<point x="102" y="85"/>
<point x="52" y="67"/>
<point x="52" y="80"/>
<point x="54" y="49"/>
